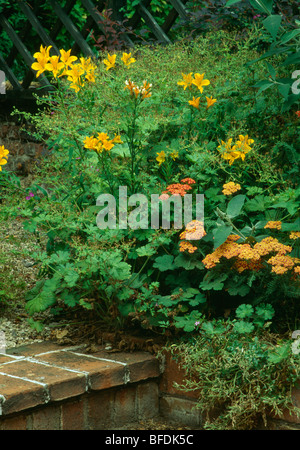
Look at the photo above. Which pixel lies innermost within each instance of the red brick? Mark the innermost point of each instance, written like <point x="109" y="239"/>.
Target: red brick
<point x="5" y="359"/>
<point x="125" y="410"/>
<point x="100" y="410"/>
<point x="174" y="373"/>
<point x="19" y="394"/>
<point x="47" y="418"/>
<point x="33" y="349"/>
<point x="61" y="384"/>
<point x="102" y="374"/>
<point x="180" y="410"/>
<point x="73" y="415"/>
<point x="14" y="423"/>
<point x="139" y="365"/>
<point x="147" y="400"/>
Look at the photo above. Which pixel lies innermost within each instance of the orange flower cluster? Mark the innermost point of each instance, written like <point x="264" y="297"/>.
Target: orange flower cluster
<point x="252" y="258"/>
<point x="177" y="189"/>
<point x="193" y="231"/>
<point x="230" y="188"/>
<point x="136" y="91"/>
<point x="184" y="245"/>
<point x="295" y="235"/>
<point x="273" y="225"/>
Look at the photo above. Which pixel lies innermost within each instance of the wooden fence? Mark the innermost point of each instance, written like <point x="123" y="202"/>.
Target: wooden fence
<point x="94" y="22"/>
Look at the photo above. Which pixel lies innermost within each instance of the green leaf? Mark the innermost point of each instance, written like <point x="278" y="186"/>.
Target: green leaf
<point x="264" y="6"/>
<point x="164" y="263"/>
<point x="221" y="234"/>
<point x="235" y="205"/>
<point x="213" y="283"/>
<point x="286" y="37"/>
<point x="263" y="85"/>
<point x="232" y="2"/>
<point x="243" y="327"/>
<point x="244" y="311"/>
<point x="279" y="354"/>
<point x="272" y="24"/>
<point x="265" y="311"/>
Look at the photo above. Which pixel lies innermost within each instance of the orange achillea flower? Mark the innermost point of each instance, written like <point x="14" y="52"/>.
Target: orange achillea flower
<point x="295" y="235"/>
<point x="194" y="230"/>
<point x="177" y="189"/>
<point x="281" y="263"/>
<point x="184" y="245"/>
<point x="270" y="244"/>
<point x="188" y="181"/>
<point x="273" y="225"/>
<point x="230" y="188"/>
<point x="297" y="113"/>
<point x="251" y="258"/>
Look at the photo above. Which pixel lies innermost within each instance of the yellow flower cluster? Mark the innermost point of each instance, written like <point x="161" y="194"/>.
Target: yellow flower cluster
<point x="184" y="245"/>
<point x="273" y="225"/>
<point x="110" y="61"/>
<point x="162" y="156"/>
<point x="139" y="92"/>
<point x="198" y="80"/>
<point x="80" y="72"/>
<point x="101" y="142"/>
<point x="252" y="258"/>
<point x="239" y="150"/>
<point x="295" y="235"/>
<point x="230" y="188"/>
<point x="194" y="230"/>
<point x="3" y="156"/>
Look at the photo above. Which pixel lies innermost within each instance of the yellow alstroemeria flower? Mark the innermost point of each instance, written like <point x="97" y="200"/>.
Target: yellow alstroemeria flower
<point x="127" y="59"/>
<point x="43" y="53"/>
<point x="90" y="142"/>
<point x="200" y="82"/>
<point x="187" y="80"/>
<point x="195" y="102"/>
<point x="3" y="153"/>
<point x="174" y="155"/>
<point x="244" y="143"/>
<point x="110" y="61"/>
<point x="161" y="157"/>
<point x="210" y="101"/>
<point x="54" y="65"/>
<point x="66" y="58"/>
<point x="117" y="139"/>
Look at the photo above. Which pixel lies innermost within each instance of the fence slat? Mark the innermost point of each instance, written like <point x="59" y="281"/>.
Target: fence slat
<point x="182" y="11"/>
<point x="9" y="74"/>
<point x="37" y="26"/>
<point x="20" y="46"/>
<point x="152" y="24"/>
<point x="98" y="18"/>
<point x="72" y="29"/>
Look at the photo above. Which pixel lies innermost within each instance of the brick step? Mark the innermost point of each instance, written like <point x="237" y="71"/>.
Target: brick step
<point x="48" y="380"/>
